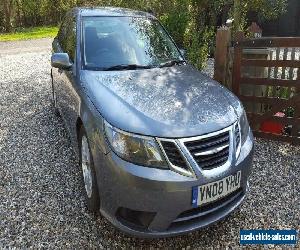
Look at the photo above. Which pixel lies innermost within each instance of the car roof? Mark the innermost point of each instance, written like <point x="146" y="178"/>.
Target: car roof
<point x="111" y="11"/>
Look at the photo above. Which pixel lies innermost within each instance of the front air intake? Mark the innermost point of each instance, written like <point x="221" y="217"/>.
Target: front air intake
<point x="174" y="155"/>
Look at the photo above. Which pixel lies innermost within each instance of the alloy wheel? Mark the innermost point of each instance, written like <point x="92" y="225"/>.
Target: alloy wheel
<point x="86" y="166"/>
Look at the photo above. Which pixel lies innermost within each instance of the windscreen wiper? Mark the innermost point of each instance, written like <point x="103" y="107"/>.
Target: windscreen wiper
<point x="172" y="63"/>
<point x="127" y="67"/>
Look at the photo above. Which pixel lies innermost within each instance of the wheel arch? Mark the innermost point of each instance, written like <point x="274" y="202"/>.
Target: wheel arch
<point x="92" y="121"/>
<point x="79" y="124"/>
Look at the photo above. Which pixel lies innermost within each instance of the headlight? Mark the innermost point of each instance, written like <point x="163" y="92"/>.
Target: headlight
<point x="140" y="150"/>
<point x="244" y="127"/>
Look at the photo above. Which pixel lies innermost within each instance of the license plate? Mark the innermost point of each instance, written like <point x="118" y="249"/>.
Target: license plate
<point x="216" y="190"/>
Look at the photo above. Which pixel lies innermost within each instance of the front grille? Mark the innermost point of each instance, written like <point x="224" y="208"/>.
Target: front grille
<point x="211" y="151"/>
<point x="174" y="154"/>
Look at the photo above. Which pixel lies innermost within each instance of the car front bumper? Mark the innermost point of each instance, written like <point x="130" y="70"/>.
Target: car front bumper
<point x="149" y="202"/>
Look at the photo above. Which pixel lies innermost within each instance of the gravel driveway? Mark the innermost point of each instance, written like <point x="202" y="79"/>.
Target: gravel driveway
<point x="40" y="188"/>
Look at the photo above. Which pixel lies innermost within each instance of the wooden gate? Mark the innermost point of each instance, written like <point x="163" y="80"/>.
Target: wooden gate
<point x="278" y="116"/>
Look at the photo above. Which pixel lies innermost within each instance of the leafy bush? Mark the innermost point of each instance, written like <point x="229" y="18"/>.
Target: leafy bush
<point x="197" y="44"/>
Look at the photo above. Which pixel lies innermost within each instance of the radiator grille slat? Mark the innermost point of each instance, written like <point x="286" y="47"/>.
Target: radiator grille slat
<point x="174" y="154"/>
<point x="210" y="152"/>
<point x="212" y="156"/>
<point x="214" y="163"/>
<point x="207" y="143"/>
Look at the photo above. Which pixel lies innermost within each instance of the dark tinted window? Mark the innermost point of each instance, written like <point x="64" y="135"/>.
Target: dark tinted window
<point x="110" y="41"/>
<point x="67" y="36"/>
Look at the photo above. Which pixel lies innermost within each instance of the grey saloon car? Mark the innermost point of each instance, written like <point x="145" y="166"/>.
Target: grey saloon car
<point x="163" y="149"/>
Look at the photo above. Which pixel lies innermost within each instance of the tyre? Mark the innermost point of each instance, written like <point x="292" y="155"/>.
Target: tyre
<point x="90" y="187"/>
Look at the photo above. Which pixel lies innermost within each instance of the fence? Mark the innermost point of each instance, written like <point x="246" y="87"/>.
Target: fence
<point x="264" y="73"/>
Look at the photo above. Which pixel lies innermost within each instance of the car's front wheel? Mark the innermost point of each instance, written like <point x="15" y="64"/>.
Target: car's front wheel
<point x="88" y="173"/>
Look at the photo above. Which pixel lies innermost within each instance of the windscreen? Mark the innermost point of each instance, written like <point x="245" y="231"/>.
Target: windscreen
<point x="111" y="41"/>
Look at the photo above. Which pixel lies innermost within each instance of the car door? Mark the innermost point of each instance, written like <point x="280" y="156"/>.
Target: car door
<point x="68" y="99"/>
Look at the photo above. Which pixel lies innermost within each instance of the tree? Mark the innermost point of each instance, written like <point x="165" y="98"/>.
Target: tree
<point x="266" y="9"/>
<point x="8" y="11"/>
<point x="192" y="23"/>
<point x="237" y="15"/>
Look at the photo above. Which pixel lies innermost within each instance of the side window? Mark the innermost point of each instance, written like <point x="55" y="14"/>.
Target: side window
<point x="67" y="36"/>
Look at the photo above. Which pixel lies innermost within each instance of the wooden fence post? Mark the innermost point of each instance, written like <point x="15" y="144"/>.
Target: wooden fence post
<point x="238" y="54"/>
<point x="223" y="41"/>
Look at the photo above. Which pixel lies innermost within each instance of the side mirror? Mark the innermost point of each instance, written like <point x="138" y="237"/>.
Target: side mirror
<point x="61" y="61"/>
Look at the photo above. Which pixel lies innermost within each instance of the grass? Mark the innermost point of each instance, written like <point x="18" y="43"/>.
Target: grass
<point x="29" y="33"/>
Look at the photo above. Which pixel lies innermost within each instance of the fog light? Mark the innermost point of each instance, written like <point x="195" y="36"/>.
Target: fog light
<point x="133" y="218"/>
